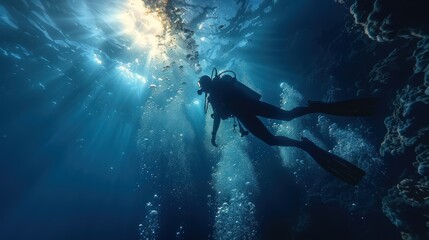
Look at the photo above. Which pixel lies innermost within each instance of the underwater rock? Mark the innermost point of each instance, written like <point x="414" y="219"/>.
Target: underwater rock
<point x="423" y="169"/>
<point x="383" y="70"/>
<point x="407" y="207"/>
<point x="422" y="163"/>
<point x="385" y="20"/>
<point x="404" y="128"/>
<point x="407" y="203"/>
<point x="421" y="55"/>
<point x="415" y="192"/>
<point x="397" y="65"/>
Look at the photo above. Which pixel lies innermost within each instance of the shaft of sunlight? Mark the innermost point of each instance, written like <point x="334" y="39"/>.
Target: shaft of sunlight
<point x="147" y="28"/>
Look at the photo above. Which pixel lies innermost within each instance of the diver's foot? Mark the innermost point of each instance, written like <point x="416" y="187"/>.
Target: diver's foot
<point x="335" y="165"/>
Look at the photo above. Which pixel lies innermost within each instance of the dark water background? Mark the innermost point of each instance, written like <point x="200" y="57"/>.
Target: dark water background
<point x="102" y="135"/>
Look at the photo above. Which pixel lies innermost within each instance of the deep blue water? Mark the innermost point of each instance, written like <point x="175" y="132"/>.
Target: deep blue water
<point x="102" y="134"/>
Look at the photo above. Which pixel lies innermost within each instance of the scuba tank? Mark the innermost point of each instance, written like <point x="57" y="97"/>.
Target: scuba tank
<point x="245" y="90"/>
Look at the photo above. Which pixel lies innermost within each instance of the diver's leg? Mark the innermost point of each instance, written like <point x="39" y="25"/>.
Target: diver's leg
<point x="267" y="110"/>
<point x="258" y="129"/>
<point x="335" y="165"/>
<point x="354" y="107"/>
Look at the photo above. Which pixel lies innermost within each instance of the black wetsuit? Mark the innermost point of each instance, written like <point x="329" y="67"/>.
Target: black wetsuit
<point x="228" y="101"/>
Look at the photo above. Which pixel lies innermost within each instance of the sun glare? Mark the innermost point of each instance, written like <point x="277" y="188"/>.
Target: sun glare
<point x="146" y="27"/>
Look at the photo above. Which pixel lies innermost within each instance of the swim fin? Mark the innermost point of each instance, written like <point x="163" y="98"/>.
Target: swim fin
<point x="353" y="107"/>
<point x="335" y="165"/>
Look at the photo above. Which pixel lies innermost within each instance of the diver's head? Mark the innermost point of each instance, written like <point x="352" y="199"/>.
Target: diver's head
<point x="204" y="84"/>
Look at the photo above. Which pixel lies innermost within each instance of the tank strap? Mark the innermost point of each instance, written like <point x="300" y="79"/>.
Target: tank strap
<point x="241" y="129"/>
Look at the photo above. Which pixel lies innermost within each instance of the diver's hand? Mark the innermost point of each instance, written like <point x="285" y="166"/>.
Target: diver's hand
<point x="214" y="140"/>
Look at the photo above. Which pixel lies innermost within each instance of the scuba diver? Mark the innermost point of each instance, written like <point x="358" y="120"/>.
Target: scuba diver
<point x="230" y="98"/>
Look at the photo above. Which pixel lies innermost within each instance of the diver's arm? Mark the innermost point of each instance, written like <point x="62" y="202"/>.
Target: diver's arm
<point x="216" y="124"/>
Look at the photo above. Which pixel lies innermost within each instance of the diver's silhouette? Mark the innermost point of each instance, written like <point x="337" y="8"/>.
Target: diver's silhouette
<point x="230" y="98"/>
